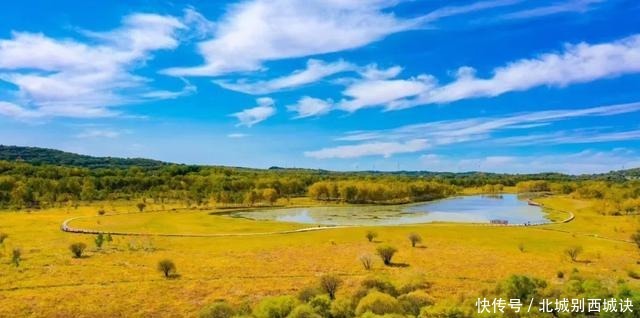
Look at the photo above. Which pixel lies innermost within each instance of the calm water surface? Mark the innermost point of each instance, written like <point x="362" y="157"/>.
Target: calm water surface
<point x="477" y="209"/>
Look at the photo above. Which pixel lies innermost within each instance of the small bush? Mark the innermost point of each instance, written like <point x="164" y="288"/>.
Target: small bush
<point x="3" y="236"/>
<point x="380" y="284"/>
<point x="521" y="247"/>
<point x="342" y="308"/>
<point x="573" y="252"/>
<point x="16" y="256"/>
<point x="366" y="260"/>
<point x="522" y="287"/>
<point x="218" y="309"/>
<point x="378" y="303"/>
<point x="560" y="275"/>
<point x="275" y="307"/>
<point x="141" y="206"/>
<point x="415" y="238"/>
<point x="371" y="235"/>
<point x="414" y="301"/>
<point x="167" y="267"/>
<point x="413" y="283"/>
<point x="386" y="252"/>
<point x="101" y="212"/>
<point x="99" y="240"/>
<point x="303" y="311"/>
<point x="307" y="293"/>
<point x="321" y="305"/>
<point x="633" y="274"/>
<point x="77" y="249"/>
<point x="329" y="284"/>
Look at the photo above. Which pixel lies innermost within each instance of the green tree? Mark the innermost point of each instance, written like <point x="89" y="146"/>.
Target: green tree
<point x="378" y="303"/>
<point x="415" y="238"/>
<point x="16" y="256"/>
<point x="371" y="235"/>
<point x="77" y="249"/>
<point x="329" y="283"/>
<point x="99" y="240"/>
<point x="167" y="267"/>
<point x="386" y="253"/>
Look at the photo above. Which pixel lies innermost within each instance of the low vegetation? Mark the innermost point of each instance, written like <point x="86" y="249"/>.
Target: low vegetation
<point x="167" y="268"/>
<point x="77" y="249"/>
<point x="386" y="253"/>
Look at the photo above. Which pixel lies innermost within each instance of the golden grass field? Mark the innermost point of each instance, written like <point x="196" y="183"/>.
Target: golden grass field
<point x="121" y="280"/>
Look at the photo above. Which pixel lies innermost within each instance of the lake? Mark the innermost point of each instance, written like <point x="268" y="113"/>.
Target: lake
<point x="475" y="209"/>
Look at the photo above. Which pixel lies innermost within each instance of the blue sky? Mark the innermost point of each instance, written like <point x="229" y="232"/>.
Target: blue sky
<point x="495" y="85"/>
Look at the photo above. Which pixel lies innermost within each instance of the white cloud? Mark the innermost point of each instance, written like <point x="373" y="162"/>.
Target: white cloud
<point x="472" y="7"/>
<point x="578" y="63"/>
<point x="252" y="116"/>
<point x="369" y="93"/>
<point x="385" y="149"/>
<point x="74" y="79"/>
<point x="237" y="135"/>
<point x="309" y="107"/>
<point x="579" y="6"/>
<point x="256" y="31"/>
<point x="449" y="132"/>
<point x="587" y="161"/>
<point x="373" y="72"/>
<point x="314" y="71"/>
<point x="99" y="133"/>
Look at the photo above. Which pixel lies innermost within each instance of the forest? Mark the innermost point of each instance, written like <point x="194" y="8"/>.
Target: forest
<point x="31" y="182"/>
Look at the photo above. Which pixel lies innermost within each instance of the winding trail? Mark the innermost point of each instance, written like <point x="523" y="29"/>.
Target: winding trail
<point x="65" y="227"/>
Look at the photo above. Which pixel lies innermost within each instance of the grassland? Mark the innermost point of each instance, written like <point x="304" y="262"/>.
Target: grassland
<point x="121" y="279"/>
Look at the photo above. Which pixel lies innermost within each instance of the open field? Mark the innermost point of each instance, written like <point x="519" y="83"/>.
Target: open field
<point x="460" y="260"/>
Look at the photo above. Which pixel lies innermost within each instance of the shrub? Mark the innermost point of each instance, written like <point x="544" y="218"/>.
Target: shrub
<point x="77" y="249"/>
<point x="167" y="267"/>
<point x="101" y="212"/>
<point x="371" y="235"/>
<point x="304" y="311"/>
<point x="443" y="312"/>
<point x="366" y="260"/>
<point x="573" y="252"/>
<point x="3" y="236"/>
<point x="16" y="256"/>
<point x="341" y="308"/>
<point x="307" y="293"/>
<point x="414" y="301"/>
<point x="378" y="303"/>
<point x="329" y="283"/>
<point x="521" y="247"/>
<point x="108" y="238"/>
<point x="415" y="238"/>
<point x="321" y="304"/>
<point x="379" y="284"/>
<point x="633" y="274"/>
<point x="636" y="238"/>
<point x="413" y="283"/>
<point x="386" y="252"/>
<point x="522" y="287"/>
<point x="560" y="275"/>
<point x="99" y="240"/>
<point x="141" y="206"/>
<point x="275" y="307"/>
<point x="218" y="309"/>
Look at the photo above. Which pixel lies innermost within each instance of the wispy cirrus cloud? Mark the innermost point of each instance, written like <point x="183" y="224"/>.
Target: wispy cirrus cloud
<point x="254" y="115"/>
<point x="309" y="107"/>
<point x="578" y="6"/>
<point x="72" y="78"/>
<point x="257" y="31"/>
<point x="385" y="149"/>
<point x="315" y="70"/>
<point x="439" y="133"/>
<point x="577" y="63"/>
<point x="587" y="161"/>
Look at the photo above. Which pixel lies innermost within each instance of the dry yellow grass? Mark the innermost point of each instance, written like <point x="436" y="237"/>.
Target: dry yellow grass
<point x="121" y="279"/>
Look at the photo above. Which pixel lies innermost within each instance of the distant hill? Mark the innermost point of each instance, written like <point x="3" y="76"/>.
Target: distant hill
<point x="39" y="156"/>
